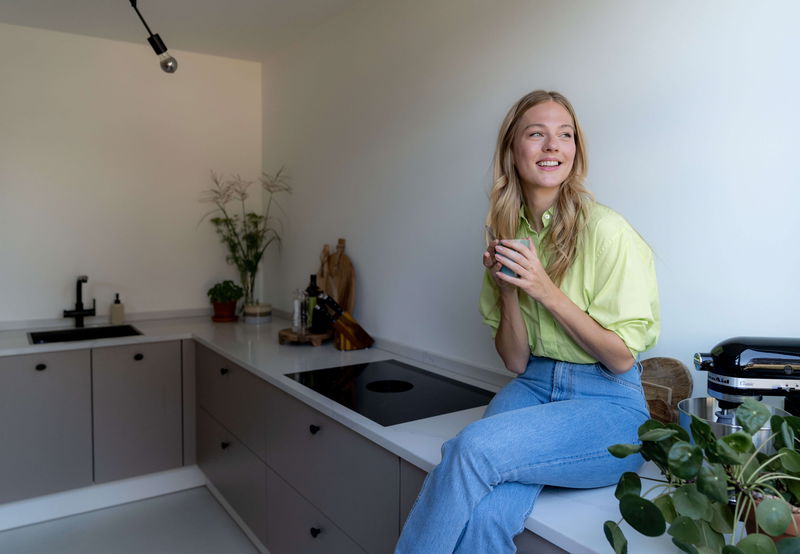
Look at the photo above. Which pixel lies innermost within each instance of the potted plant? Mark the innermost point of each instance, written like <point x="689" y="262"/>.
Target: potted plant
<point x="245" y="232"/>
<point x="224" y="296"/>
<point x="710" y="487"/>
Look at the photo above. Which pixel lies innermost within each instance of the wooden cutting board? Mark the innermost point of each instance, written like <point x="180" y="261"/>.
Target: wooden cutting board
<point x="666" y="381"/>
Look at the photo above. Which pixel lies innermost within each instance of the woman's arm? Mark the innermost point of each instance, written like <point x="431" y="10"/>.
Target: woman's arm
<point x="511" y="339"/>
<point x="600" y="343"/>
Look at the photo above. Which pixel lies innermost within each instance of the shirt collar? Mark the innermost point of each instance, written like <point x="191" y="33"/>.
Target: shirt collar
<point x="526" y="217"/>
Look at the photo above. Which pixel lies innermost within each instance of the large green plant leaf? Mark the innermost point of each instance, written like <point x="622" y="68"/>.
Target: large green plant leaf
<point x="656" y="435"/>
<point x="685" y="547"/>
<point x="629" y="483"/>
<point x="713" y="482"/>
<point x="775" y="423"/>
<point x="690" y="502"/>
<point x="794" y="423"/>
<point x="757" y="544"/>
<point x="789" y="545"/>
<point x="752" y="415"/>
<point x="722" y="522"/>
<point x="701" y="432"/>
<point x="623" y="450"/>
<point x="615" y="537"/>
<point x="666" y="506"/>
<point x="649" y="425"/>
<point x="685" y="459"/>
<point x="739" y="441"/>
<point x="709" y="538"/>
<point x="658" y="452"/>
<point x="686" y="530"/>
<point x="682" y="435"/>
<point x="773" y="516"/>
<point x="722" y="452"/>
<point x="790" y="460"/>
<point x="642" y="515"/>
<point x="730" y="549"/>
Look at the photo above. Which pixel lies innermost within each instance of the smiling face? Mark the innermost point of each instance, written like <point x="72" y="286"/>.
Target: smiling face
<point x="544" y="146"/>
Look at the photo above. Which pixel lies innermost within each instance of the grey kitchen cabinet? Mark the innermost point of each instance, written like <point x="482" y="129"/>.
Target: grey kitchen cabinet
<point x="234" y="397"/>
<point x="237" y="473"/>
<point x="45" y="423"/>
<point x="411" y="479"/>
<point x="347" y="477"/>
<point x="138" y="413"/>
<point x="295" y="526"/>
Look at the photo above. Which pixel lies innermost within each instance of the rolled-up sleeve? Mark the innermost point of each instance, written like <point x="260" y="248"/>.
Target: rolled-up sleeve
<point x="625" y="298"/>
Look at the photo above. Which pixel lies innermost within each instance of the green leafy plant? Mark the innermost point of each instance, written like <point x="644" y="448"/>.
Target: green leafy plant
<point x="226" y="291"/>
<point x="710" y="487"/>
<point x="246" y="234"/>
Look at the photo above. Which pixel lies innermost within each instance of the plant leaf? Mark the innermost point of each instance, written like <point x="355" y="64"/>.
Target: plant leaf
<point x="725" y="454"/>
<point x="664" y="503"/>
<point x="775" y="423"/>
<point x="642" y="515"/>
<point x="722" y="522"/>
<point x="688" y="548"/>
<point x="683" y="434"/>
<point x="790" y="460"/>
<point x="686" y="530"/>
<point x="752" y="415"/>
<point x="689" y="501"/>
<point x="623" y="450"/>
<point x="713" y="482"/>
<point x="739" y="441"/>
<point x="709" y="538"/>
<point x="701" y="432"/>
<point x="789" y="545"/>
<point x="757" y="543"/>
<point x="787" y="434"/>
<point x="685" y="459"/>
<point x="615" y="537"/>
<point x="629" y="483"/>
<point x="656" y="435"/>
<point x="773" y="516"/>
<point x="648" y="425"/>
<point x="730" y="549"/>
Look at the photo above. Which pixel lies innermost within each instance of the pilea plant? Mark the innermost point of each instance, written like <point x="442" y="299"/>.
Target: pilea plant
<point x="712" y="485"/>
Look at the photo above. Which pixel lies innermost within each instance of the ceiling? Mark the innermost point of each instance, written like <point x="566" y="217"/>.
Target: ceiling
<point x="244" y="29"/>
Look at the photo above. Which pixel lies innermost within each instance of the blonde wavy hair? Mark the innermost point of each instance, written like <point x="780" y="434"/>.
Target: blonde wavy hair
<point x="570" y="211"/>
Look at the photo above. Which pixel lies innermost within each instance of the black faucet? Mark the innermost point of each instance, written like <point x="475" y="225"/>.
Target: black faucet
<point x="79" y="313"/>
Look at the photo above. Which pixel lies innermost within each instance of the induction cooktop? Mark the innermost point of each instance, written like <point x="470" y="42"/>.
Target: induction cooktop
<point x="390" y="392"/>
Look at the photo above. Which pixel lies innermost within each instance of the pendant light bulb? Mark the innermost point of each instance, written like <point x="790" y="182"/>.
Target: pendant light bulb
<point x="168" y="63"/>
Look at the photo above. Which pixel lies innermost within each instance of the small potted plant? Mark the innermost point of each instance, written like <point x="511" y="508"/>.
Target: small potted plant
<point x="245" y="232"/>
<point x="714" y="484"/>
<point x="224" y="296"/>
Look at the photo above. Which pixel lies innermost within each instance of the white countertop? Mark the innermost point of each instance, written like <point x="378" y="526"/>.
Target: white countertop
<point x="571" y="519"/>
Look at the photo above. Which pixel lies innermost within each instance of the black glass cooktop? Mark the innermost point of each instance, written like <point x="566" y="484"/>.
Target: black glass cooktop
<point x="391" y="392"/>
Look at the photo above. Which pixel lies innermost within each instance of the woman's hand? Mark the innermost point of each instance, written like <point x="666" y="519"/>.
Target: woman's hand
<point x="490" y="262"/>
<point x="522" y="259"/>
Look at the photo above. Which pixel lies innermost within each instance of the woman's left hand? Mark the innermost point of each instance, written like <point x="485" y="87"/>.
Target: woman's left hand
<point x="523" y="260"/>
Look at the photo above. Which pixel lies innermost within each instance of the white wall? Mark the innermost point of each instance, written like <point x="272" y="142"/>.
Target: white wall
<point x="102" y="160"/>
<point x="386" y="117"/>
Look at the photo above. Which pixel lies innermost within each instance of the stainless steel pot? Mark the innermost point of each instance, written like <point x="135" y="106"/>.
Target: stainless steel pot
<point x="707" y="409"/>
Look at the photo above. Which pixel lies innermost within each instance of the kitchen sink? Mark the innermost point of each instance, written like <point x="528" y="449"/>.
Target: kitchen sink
<point x="83" y="333"/>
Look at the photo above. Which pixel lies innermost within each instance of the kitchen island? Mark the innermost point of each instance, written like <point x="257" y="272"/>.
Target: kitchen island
<point x="569" y="519"/>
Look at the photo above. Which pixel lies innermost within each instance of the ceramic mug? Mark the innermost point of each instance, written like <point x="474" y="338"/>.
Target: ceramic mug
<point x="506" y="270"/>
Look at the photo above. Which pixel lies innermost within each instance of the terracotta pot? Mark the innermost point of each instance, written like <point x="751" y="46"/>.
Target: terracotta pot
<point x="224" y="311"/>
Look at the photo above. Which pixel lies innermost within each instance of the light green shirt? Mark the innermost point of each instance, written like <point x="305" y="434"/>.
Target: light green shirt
<point x="612" y="279"/>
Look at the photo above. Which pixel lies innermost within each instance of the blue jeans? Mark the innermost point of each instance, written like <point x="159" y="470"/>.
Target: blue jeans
<point x="551" y="425"/>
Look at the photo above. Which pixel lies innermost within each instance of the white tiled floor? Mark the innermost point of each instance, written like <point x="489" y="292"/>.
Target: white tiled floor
<point x="187" y="522"/>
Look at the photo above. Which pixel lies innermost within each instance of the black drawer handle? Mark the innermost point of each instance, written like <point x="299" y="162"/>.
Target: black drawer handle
<point x="224" y="444"/>
<point x="224" y="371"/>
<point x="138" y="357"/>
<point x="315" y="531"/>
<point x="314" y="429"/>
<point x="41" y="367"/>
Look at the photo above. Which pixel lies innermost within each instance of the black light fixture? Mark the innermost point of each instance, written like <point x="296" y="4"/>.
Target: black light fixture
<point x="168" y="63"/>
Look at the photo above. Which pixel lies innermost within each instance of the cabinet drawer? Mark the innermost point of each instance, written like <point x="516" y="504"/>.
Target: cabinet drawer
<point x="296" y="527"/>
<point x="350" y="479"/>
<point x="45" y="424"/>
<point x="138" y="414"/>
<point x="235" y="471"/>
<point x="234" y="396"/>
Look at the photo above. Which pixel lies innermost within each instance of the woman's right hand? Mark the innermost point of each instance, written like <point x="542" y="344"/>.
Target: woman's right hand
<point x="491" y="263"/>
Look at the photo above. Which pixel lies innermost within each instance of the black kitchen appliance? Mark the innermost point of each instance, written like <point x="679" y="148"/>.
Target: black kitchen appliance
<point x="743" y="367"/>
<point x="390" y="392"/>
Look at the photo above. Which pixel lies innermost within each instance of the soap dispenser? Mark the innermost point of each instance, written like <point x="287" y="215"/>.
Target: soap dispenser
<point x="117" y="311"/>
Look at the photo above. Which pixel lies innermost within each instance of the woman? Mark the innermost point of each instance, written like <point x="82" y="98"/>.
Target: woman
<point x="573" y="309"/>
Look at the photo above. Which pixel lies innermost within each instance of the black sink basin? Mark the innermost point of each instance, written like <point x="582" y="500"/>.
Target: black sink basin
<point x="83" y="333"/>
